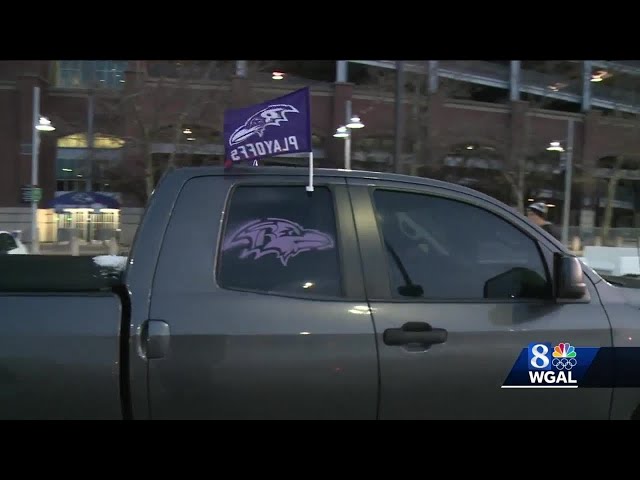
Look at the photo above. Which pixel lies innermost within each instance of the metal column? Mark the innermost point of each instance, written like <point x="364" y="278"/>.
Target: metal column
<point x="568" y="173"/>
<point x="89" y="171"/>
<point x="586" y="85"/>
<point x="399" y="127"/>
<point x="433" y="76"/>
<point x="515" y="81"/>
<point x="35" y="150"/>
<point x="241" y="68"/>
<point x="342" y="71"/>
<point x="347" y="140"/>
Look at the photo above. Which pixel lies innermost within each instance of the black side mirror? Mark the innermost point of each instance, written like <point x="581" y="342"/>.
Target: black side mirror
<point x="569" y="278"/>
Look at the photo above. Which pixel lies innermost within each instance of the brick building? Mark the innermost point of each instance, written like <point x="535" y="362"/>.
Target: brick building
<point x="113" y="119"/>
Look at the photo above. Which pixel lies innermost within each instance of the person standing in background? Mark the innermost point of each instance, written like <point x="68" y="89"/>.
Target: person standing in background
<point x="537" y="213"/>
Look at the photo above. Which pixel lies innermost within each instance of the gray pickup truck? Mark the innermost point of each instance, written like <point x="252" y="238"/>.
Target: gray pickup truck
<point x="376" y="296"/>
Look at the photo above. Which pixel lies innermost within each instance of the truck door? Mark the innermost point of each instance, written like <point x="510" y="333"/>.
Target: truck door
<point x="447" y="339"/>
<point x="258" y="308"/>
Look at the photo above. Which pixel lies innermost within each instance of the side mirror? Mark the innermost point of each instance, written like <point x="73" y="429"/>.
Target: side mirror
<point x="569" y="278"/>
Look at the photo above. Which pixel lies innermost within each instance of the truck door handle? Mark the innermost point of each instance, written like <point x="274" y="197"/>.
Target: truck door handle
<point x="156" y="335"/>
<point x="414" y="332"/>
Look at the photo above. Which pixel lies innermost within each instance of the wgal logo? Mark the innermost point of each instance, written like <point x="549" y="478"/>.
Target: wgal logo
<point x="551" y="367"/>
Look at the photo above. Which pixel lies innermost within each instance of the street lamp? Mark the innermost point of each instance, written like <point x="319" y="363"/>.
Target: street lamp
<point x="344" y="131"/>
<point x="341" y="132"/>
<point x="568" y="154"/>
<point x="555" y="147"/>
<point x="355" y="122"/>
<point x="44" y="125"/>
<point x="39" y="124"/>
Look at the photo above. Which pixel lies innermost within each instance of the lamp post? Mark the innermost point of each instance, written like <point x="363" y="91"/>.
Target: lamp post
<point x="38" y="124"/>
<point x="344" y="131"/>
<point x="568" y="155"/>
<point x="399" y="113"/>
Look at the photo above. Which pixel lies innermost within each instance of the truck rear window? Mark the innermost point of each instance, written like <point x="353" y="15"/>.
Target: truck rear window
<point x="281" y="240"/>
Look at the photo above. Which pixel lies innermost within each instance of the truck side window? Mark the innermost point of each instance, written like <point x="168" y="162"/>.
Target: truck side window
<point x="443" y="249"/>
<point x="281" y="240"/>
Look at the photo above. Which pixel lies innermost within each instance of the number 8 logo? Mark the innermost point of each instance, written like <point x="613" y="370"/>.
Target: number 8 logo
<point x="539" y="359"/>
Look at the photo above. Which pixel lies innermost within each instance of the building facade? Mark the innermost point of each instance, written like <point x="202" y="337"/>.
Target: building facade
<point x="120" y="123"/>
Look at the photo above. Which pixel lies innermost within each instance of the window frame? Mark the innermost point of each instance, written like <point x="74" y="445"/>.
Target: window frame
<point x="381" y="288"/>
<point x="349" y="266"/>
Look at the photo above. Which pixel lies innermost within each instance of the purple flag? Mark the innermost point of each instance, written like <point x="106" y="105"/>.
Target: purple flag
<point x="276" y="127"/>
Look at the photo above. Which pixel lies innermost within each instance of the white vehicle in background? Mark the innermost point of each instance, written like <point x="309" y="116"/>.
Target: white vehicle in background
<point x="11" y="245"/>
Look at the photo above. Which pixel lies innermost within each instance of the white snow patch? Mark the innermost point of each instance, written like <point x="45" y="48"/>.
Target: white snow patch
<point x="114" y="261"/>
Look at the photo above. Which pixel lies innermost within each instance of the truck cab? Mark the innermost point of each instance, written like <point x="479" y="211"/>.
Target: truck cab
<point x="375" y="296"/>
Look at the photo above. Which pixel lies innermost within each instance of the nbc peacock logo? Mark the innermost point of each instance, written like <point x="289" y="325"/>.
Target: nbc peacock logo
<point x="564" y="356"/>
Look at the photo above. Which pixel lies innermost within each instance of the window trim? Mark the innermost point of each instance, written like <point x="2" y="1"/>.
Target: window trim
<point x="350" y="270"/>
<point x="463" y="198"/>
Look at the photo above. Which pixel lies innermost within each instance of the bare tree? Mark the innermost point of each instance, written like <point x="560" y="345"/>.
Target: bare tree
<point x="623" y="90"/>
<point x="379" y="85"/>
<point x="420" y="141"/>
<point x="515" y="169"/>
<point x="612" y="185"/>
<point x="527" y="162"/>
<point x="622" y="165"/>
<point x="418" y="151"/>
<point x="560" y="76"/>
<point x="518" y="168"/>
<point x="426" y="143"/>
<point x="522" y="164"/>
<point x="169" y="98"/>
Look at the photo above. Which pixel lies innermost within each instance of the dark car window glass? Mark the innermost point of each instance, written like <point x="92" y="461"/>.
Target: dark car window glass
<point x="439" y="248"/>
<point x="281" y="239"/>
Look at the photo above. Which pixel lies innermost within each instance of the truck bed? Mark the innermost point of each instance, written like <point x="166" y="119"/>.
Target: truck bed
<point x="60" y="338"/>
<point x="58" y="273"/>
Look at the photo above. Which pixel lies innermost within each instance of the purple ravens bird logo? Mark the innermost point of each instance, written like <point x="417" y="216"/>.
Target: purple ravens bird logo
<point x="273" y="115"/>
<point x="82" y="198"/>
<point x="276" y="236"/>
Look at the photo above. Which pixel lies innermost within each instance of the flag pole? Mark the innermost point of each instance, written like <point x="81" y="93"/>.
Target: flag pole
<point x="310" y="186"/>
<point x="310" y="136"/>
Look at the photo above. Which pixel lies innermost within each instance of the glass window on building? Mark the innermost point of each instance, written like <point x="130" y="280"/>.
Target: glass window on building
<point x="90" y="73"/>
<point x="73" y="169"/>
<point x="100" y="141"/>
<point x="70" y="74"/>
<point x="70" y="185"/>
<point x="79" y="169"/>
<point x="110" y="73"/>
